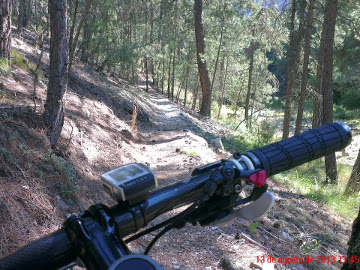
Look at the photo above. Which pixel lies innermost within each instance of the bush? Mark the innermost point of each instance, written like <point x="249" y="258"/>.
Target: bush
<point x="344" y="114"/>
<point x="67" y="171"/>
<point x="351" y="99"/>
<point x="4" y="66"/>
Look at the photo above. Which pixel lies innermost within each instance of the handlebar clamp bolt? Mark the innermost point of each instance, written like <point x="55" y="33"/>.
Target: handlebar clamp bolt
<point x="228" y="172"/>
<point x="237" y="188"/>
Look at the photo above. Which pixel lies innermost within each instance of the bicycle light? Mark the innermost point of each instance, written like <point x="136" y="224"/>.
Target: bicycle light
<point x="131" y="182"/>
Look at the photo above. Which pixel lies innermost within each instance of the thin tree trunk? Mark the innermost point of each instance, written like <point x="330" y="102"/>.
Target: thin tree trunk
<point x="174" y="51"/>
<point x="173" y="76"/>
<point x="21" y="16"/>
<point x="237" y="103"/>
<point x="217" y="55"/>
<point x="182" y="83"/>
<point x="304" y="79"/>
<point x="169" y="76"/>
<point x="72" y="29"/>
<point x="5" y="28"/>
<point x="293" y="69"/>
<point x="186" y="90"/>
<point x="146" y="74"/>
<point x="327" y="38"/>
<point x="162" y="76"/>
<point x="76" y="38"/>
<point x="251" y="67"/>
<point x="196" y="91"/>
<point x="223" y="88"/>
<point x="205" y="109"/>
<point x="54" y="107"/>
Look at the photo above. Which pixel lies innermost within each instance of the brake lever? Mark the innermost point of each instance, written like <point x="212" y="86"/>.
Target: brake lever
<point x="252" y="211"/>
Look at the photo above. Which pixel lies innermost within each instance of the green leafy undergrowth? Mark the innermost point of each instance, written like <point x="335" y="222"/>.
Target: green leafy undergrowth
<point x="69" y="185"/>
<point x="309" y="179"/>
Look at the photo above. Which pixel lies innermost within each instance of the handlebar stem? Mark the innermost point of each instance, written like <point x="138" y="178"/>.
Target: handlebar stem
<point x="95" y="236"/>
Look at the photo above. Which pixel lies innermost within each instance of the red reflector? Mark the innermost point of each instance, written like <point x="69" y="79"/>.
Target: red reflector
<point x="259" y="178"/>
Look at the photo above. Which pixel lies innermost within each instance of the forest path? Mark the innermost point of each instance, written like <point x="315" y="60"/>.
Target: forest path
<point x="170" y="145"/>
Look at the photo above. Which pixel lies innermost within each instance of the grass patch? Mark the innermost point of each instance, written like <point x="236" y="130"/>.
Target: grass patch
<point x="5" y="68"/>
<point x="308" y="179"/>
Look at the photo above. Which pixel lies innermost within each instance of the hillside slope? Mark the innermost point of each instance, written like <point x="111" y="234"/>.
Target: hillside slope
<point x="39" y="186"/>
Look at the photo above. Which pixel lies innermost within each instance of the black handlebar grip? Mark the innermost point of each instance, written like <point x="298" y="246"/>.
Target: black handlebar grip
<point x="302" y="148"/>
<point x="53" y="251"/>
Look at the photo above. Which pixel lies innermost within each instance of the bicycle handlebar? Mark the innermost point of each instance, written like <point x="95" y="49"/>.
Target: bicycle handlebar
<point x="302" y="148"/>
<point x="55" y="250"/>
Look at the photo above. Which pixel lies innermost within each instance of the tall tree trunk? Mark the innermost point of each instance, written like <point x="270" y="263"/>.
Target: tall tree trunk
<point x="354" y="247"/>
<point x="251" y="67"/>
<point x="219" y="48"/>
<point x="72" y="28"/>
<point x="304" y="79"/>
<point x="146" y="73"/>
<point x="72" y="46"/>
<point x="196" y="91"/>
<point x="293" y="65"/>
<point x="174" y="51"/>
<point x="186" y="90"/>
<point x="21" y="16"/>
<point x="5" y="28"/>
<point x="205" y="109"/>
<point x="222" y="88"/>
<point x="353" y="185"/>
<point x="54" y="107"/>
<point x="173" y="75"/>
<point x="326" y="82"/>
<point x="162" y="76"/>
<point x="169" y="76"/>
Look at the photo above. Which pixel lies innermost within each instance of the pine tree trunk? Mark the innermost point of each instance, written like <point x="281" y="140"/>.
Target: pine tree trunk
<point x="326" y="83"/>
<point x="186" y="90"/>
<point x="205" y="109"/>
<point x="353" y="186"/>
<point x="76" y="38"/>
<point x="222" y="88"/>
<point x="5" y="28"/>
<point x="169" y="76"/>
<point x="251" y="67"/>
<point x="195" y="94"/>
<point x="294" y="57"/>
<point x="21" y="15"/>
<point x="146" y="74"/>
<point x="304" y="79"/>
<point x="354" y="246"/>
<point x="54" y="108"/>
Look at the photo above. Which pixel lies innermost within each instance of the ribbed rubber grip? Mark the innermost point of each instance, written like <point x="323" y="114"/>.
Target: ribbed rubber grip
<point x="302" y="148"/>
<point x="53" y="251"/>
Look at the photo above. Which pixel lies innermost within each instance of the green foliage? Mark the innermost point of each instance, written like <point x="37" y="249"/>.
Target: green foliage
<point x="309" y="178"/>
<point x="4" y="66"/>
<point x="65" y="169"/>
<point x="253" y="227"/>
<point x="18" y="59"/>
<point x="309" y="247"/>
<point x="345" y="114"/>
<point x="351" y="99"/>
